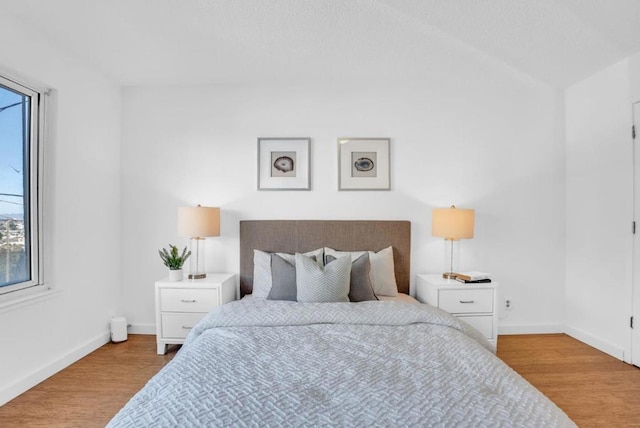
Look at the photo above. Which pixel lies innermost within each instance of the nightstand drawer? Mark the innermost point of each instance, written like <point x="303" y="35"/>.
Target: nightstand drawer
<point x="466" y="301"/>
<point x="181" y="304"/>
<point x="484" y="324"/>
<point x="471" y="303"/>
<point x="188" y="300"/>
<point x="179" y="325"/>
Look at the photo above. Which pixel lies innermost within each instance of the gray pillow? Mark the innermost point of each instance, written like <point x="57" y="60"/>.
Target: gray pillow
<point x="360" y="289"/>
<point x="262" y="270"/>
<point x="283" y="280"/>
<point x="382" y="274"/>
<point x="317" y="284"/>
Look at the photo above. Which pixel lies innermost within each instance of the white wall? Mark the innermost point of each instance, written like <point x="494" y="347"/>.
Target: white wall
<point x="81" y="214"/>
<point x="599" y="210"/>
<point x="469" y="132"/>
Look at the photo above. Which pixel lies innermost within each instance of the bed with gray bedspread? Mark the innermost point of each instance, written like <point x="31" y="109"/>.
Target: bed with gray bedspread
<point x="273" y="363"/>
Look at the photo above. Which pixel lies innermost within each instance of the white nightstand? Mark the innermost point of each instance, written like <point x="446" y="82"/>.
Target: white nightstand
<point x="476" y="304"/>
<point x="181" y="304"/>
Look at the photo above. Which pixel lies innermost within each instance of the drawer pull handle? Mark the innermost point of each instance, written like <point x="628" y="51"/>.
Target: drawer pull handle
<point x="188" y="301"/>
<point x="184" y="327"/>
<point x="467" y="301"/>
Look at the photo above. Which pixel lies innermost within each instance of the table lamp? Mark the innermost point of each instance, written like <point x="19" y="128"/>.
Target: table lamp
<point x="198" y="223"/>
<point x="452" y="224"/>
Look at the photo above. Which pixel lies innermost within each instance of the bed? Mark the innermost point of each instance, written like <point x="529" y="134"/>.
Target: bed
<point x="379" y="362"/>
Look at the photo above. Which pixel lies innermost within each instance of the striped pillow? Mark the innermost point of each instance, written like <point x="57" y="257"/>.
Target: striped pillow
<point x="317" y="284"/>
<point x="360" y="289"/>
<point x="262" y="277"/>
<point x="382" y="273"/>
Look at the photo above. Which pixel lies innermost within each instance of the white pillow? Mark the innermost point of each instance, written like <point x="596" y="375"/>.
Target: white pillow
<point x="317" y="284"/>
<point x="262" y="279"/>
<point x="382" y="273"/>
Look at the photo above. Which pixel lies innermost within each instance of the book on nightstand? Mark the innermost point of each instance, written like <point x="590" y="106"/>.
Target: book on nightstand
<point x="473" y="276"/>
<point x="477" y="281"/>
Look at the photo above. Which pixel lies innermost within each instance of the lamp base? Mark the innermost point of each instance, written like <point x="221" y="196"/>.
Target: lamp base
<point x="197" y="275"/>
<point x="449" y="275"/>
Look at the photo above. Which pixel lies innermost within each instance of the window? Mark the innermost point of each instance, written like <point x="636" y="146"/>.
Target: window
<point x="20" y="130"/>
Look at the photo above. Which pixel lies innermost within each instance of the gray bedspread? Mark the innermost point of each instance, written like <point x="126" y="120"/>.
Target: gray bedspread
<point x="266" y="363"/>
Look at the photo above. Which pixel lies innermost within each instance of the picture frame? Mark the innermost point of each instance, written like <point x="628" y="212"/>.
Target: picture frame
<point x="363" y="164"/>
<point x="284" y="163"/>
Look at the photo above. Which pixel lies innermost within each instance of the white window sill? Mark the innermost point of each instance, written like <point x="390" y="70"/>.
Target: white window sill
<point x="21" y="298"/>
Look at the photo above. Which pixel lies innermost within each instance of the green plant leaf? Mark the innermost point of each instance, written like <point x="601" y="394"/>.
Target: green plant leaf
<point x="172" y="258"/>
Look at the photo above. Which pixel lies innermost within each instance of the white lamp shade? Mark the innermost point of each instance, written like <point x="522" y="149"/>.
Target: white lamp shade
<point x="452" y="223"/>
<point x="198" y="222"/>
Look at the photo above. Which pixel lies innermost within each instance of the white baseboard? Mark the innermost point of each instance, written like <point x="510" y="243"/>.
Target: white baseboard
<point x="142" y="329"/>
<point x="9" y="392"/>
<point x="531" y="329"/>
<point x="599" y="344"/>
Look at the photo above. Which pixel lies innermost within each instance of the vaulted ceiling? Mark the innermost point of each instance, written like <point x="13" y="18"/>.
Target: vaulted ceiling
<point x="140" y="42"/>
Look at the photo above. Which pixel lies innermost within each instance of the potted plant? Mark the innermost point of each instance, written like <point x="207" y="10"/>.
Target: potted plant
<point x="174" y="261"/>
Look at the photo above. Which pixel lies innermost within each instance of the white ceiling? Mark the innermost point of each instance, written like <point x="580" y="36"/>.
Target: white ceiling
<point x="141" y="42"/>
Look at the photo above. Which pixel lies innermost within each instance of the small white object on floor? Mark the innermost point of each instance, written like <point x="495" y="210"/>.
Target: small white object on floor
<point x="118" y="329"/>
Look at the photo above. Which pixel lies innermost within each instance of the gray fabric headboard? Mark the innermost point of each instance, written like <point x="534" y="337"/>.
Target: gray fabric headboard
<point x="300" y="236"/>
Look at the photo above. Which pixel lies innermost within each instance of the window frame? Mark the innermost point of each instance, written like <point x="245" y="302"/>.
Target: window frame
<point x="35" y="176"/>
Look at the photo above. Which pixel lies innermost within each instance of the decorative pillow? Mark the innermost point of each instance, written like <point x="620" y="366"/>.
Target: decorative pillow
<point x="262" y="281"/>
<point x="382" y="273"/>
<point x="318" y="284"/>
<point x="337" y="254"/>
<point x="283" y="279"/>
<point x="261" y="274"/>
<point x="360" y="289"/>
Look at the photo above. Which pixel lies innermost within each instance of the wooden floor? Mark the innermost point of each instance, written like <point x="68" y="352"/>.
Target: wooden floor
<point x="89" y="392"/>
<point x="594" y="389"/>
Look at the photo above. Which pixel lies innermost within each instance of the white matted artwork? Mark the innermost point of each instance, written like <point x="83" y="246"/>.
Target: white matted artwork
<point x="283" y="163"/>
<point x="363" y="164"/>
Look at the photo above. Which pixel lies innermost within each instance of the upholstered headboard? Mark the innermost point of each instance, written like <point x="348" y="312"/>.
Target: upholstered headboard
<point x="291" y="236"/>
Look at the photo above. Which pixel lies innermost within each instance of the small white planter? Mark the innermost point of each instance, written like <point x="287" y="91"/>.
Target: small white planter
<point x="175" y="275"/>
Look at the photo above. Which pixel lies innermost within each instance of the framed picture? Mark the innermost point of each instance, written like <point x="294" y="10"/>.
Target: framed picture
<point x="363" y="164"/>
<point x="283" y="163"/>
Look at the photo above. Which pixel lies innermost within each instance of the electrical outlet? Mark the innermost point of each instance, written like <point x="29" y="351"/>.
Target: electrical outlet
<point x="508" y="303"/>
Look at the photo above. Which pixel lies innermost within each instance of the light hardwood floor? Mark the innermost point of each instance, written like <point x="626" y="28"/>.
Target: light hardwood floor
<point x="89" y="392"/>
<point x="594" y="389"/>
